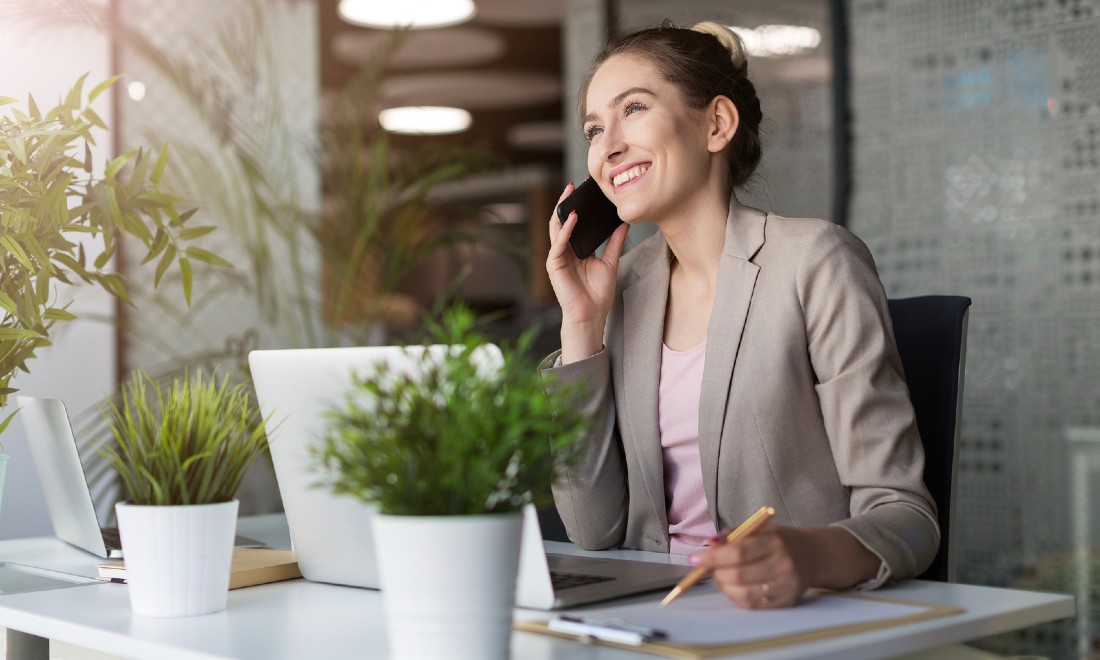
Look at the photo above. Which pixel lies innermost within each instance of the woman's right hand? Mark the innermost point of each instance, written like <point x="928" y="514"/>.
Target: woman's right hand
<point x="584" y="289"/>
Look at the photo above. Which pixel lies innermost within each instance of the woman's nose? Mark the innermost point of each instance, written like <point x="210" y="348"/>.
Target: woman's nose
<point x="612" y="145"/>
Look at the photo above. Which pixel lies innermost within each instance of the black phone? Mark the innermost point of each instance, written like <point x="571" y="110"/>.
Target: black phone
<point x="597" y="218"/>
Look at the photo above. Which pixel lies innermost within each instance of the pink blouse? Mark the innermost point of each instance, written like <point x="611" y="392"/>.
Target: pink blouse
<point x="689" y="523"/>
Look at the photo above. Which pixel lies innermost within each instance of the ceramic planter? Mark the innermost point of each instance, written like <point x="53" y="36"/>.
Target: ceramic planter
<point x="448" y="584"/>
<point x="177" y="557"/>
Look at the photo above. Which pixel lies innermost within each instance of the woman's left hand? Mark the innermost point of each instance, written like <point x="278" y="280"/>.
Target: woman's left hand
<point x="769" y="569"/>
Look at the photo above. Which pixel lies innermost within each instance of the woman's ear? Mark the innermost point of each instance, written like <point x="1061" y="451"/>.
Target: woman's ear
<point x="722" y="122"/>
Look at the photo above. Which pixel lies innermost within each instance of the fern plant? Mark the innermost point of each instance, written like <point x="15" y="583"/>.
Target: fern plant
<point x="460" y="436"/>
<point x="187" y="444"/>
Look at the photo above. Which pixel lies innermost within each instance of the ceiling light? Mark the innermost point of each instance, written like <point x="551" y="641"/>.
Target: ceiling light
<point x="419" y="14"/>
<point x="772" y="40"/>
<point x="424" y="120"/>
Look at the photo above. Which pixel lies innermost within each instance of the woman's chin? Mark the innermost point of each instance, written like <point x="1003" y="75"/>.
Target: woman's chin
<point x="630" y="215"/>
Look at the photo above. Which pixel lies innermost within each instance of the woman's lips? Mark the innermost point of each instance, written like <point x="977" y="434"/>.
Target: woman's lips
<point x="631" y="174"/>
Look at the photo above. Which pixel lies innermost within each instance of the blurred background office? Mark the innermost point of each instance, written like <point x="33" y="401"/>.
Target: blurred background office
<point x="960" y="139"/>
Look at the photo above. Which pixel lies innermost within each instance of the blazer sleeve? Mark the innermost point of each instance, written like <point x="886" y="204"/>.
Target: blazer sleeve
<point x="866" y="407"/>
<point x="591" y="490"/>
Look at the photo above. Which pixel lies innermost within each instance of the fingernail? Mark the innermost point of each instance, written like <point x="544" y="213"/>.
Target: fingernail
<point x="571" y="183"/>
<point x="715" y="540"/>
<point x="572" y="214"/>
<point x="694" y="560"/>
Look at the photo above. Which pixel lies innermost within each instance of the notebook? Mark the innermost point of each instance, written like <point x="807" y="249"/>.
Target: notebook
<point x="331" y="534"/>
<point x="64" y="484"/>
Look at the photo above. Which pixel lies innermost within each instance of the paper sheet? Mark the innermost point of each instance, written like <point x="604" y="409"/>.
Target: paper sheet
<point x="713" y="619"/>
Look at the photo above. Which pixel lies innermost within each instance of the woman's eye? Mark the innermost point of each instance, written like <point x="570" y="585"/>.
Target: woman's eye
<point x="592" y="131"/>
<point x="633" y="107"/>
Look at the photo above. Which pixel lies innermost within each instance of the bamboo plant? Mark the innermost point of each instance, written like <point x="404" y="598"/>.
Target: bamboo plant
<point x="51" y="196"/>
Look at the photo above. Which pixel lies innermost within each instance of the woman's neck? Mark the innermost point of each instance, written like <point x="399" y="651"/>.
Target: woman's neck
<point x="697" y="234"/>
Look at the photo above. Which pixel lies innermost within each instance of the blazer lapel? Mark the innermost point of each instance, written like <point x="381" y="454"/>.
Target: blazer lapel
<point x="643" y="329"/>
<point x="733" y="295"/>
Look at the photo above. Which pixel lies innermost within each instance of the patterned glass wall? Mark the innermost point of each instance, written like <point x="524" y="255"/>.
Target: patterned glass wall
<point x="976" y="170"/>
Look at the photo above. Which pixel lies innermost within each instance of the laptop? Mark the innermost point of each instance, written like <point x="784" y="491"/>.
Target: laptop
<point x="332" y="534"/>
<point x="64" y="483"/>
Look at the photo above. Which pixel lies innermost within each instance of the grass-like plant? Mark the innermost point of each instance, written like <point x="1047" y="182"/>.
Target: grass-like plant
<point x="187" y="444"/>
<point x="458" y="437"/>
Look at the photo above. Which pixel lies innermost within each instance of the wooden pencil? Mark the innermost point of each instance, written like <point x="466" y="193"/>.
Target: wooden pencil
<point x="745" y="529"/>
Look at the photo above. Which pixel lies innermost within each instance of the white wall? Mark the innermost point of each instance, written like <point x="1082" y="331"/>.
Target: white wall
<point x="79" y="368"/>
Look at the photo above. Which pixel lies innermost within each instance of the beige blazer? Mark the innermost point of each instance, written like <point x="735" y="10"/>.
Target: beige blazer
<point x="803" y="407"/>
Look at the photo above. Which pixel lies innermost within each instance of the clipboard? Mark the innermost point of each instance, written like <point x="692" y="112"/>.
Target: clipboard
<point x="905" y="612"/>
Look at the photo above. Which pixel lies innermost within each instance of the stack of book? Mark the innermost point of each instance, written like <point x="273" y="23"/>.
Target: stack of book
<point x="251" y="566"/>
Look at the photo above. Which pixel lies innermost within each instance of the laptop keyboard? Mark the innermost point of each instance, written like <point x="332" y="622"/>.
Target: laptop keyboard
<point x="570" y="580"/>
<point x="111" y="539"/>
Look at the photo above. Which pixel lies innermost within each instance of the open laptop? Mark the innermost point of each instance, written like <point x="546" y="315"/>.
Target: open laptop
<point x="331" y="534"/>
<point x="64" y="483"/>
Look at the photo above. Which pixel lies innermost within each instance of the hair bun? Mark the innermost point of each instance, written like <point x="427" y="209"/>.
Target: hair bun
<point x="727" y="38"/>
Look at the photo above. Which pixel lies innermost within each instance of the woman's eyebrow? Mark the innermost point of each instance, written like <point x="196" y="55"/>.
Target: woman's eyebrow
<point x="618" y="99"/>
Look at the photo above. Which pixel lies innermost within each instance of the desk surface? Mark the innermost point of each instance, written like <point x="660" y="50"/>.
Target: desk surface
<point x="301" y="619"/>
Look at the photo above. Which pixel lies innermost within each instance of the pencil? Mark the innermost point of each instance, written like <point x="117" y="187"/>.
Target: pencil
<point x="745" y="529"/>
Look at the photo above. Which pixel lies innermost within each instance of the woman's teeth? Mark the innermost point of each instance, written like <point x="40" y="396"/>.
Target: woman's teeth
<point x="632" y="173"/>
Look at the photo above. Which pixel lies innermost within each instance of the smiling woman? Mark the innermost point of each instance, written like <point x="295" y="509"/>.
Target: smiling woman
<point x="736" y="358"/>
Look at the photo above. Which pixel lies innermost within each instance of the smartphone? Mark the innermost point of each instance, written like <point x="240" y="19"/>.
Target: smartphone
<point x="597" y="218"/>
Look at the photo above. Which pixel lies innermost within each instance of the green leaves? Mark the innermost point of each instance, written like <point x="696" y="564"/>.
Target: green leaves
<point x="49" y="193"/>
<point x="189" y="443"/>
<point x="461" y="436"/>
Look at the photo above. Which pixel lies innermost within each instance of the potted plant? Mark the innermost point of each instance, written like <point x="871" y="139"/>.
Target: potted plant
<point x="49" y="197"/>
<point x="181" y="453"/>
<point x="450" y="452"/>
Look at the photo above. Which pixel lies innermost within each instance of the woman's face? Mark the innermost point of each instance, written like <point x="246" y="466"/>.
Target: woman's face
<point x="647" y="150"/>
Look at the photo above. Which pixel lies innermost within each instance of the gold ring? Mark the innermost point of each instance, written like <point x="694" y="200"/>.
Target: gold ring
<point x="765" y="598"/>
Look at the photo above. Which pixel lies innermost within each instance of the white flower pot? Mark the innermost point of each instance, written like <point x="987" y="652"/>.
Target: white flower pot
<point x="448" y="584"/>
<point x="177" y="557"/>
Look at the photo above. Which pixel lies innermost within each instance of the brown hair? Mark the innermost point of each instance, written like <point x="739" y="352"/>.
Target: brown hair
<point x="705" y="61"/>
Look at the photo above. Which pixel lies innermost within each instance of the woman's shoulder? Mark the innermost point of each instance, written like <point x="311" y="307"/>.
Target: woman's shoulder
<point x="801" y="237"/>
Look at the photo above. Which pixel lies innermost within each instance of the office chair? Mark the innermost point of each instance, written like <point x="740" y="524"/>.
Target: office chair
<point x="931" y="337"/>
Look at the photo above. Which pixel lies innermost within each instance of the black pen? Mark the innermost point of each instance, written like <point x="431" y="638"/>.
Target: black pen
<point x="112" y="580"/>
<point x="612" y="630"/>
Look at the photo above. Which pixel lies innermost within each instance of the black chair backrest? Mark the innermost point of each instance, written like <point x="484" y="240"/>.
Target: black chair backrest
<point x="931" y="337"/>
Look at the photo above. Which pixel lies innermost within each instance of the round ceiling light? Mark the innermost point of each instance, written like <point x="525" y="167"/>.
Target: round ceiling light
<point x="419" y="14"/>
<point x="776" y="40"/>
<point x="424" y="120"/>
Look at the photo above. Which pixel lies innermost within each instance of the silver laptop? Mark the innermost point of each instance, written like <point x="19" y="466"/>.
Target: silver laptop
<point x="64" y="483"/>
<point x="331" y="534"/>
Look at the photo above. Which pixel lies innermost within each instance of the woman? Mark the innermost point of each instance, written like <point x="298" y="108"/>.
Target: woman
<point x="736" y="358"/>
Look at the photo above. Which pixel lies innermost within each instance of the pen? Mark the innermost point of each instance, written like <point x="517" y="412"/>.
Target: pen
<point x="747" y="528"/>
<point x="611" y="630"/>
<point x="112" y="580"/>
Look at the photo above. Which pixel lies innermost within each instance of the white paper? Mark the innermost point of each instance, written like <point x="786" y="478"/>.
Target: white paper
<point x="713" y="619"/>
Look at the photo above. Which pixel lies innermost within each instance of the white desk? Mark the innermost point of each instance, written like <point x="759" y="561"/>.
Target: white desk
<point x="300" y="619"/>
